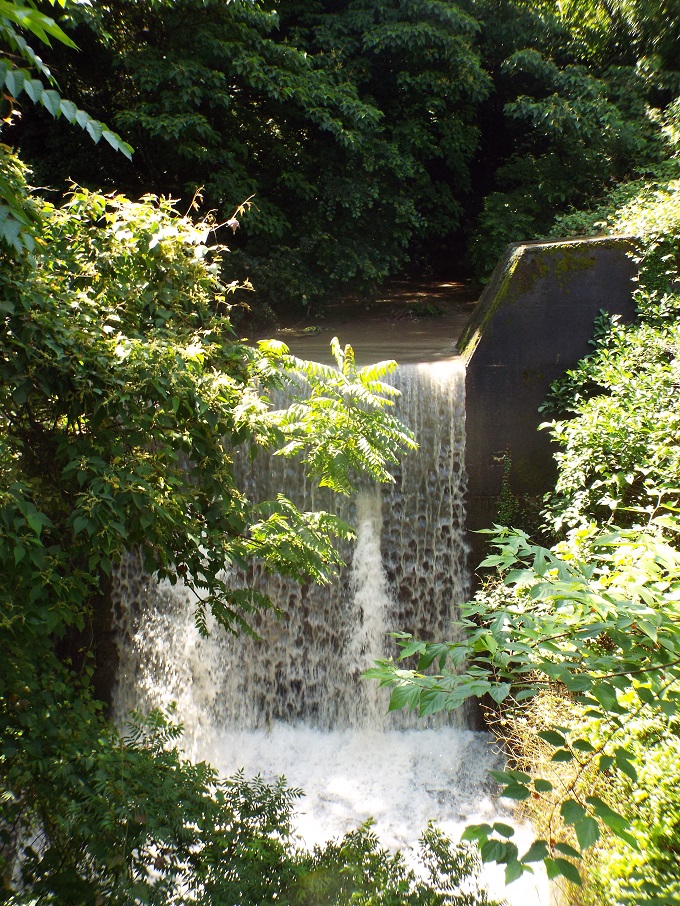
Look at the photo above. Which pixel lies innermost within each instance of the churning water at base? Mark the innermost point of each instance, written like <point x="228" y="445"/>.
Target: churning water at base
<point x="294" y="704"/>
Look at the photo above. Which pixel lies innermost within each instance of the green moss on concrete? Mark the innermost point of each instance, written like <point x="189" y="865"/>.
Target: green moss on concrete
<point x="492" y="297"/>
<point x="521" y="268"/>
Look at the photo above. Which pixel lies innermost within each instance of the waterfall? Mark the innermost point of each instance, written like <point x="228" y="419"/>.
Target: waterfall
<point x="294" y="703"/>
<point x="406" y="570"/>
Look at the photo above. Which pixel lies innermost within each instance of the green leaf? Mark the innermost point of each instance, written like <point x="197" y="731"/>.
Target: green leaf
<point x="69" y="109"/>
<point x="492" y="851"/>
<point x="645" y="695"/>
<point x="669" y="708"/>
<point x="80" y="524"/>
<point x="432" y="701"/>
<point x="552" y="737"/>
<point x="82" y="118"/>
<point x="51" y="101"/>
<point x="406" y="696"/>
<point x="605" y="762"/>
<point x="516" y="791"/>
<point x="537" y="852"/>
<point x="526" y="694"/>
<point x="579" y="683"/>
<point x="561" y="867"/>
<point x="649" y="629"/>
<point x="37" y="23"/>
<point x="572" y="811"/>
<point x="500" y="693"/>
<point x="477" y="833"/>
<point x="14" y="82"/>
<point x="501" y="776"/>
<point x="117" y="143"/>
<point x="514" y="870"/>
<point x="95" y="130"/>
<point x="587" y="832"/>
<point x="37" y="521"/>
<point x="623" y="758"/>
<point x="614" y="821"/>
<point x="563" y="755"/>
<point x="34" y="89"/>
<point x="542" y="786"/>
<point x="567" y="850"/>
<point x="414" y="646"/>
<point x="605" y="695"/>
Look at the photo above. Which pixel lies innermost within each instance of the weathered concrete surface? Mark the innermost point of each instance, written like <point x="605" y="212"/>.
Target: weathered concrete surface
<point x="533" y="322"/>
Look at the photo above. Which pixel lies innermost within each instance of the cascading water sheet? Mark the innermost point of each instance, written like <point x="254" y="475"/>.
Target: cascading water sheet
<point x="405" y="571"/>
<point x="295" y="703"/>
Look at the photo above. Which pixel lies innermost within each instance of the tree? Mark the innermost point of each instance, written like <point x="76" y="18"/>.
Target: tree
<point x="417" y="62"/>
<point x="371" y="135"/>
<point x="567" y="120"/>
<point x="626" y="31"/>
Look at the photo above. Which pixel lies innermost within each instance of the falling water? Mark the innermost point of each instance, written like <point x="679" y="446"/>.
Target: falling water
<point x="294" y="703"/>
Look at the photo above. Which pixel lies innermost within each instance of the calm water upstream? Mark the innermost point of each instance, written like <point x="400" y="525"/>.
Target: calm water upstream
<point x="411" y="322"/>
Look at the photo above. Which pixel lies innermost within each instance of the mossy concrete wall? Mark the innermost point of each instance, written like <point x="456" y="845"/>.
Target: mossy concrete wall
<point x="533" y="322"/>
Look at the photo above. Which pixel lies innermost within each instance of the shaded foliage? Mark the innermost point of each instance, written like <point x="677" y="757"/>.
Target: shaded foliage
<point x="573" y="121"/>
<point x="353" y="127"/>
<point x="373" y="136"/>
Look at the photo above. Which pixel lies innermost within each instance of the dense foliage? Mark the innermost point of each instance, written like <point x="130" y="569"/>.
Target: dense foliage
<point x="365" y="136"/>
<point x="371" y="136"/>
<point x="582" y="94"/>
<point x="293" y="106"/>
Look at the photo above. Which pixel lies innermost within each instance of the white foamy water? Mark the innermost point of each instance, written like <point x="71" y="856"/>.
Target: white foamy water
<point x="401" y="779"/>
<point x="295" y="703"/>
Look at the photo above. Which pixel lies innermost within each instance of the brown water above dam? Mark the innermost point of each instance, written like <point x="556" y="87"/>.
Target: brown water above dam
<point x="410" y="320"/>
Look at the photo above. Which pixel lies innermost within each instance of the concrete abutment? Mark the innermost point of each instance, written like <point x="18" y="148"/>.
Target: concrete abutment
<point x="532" y="323"/>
